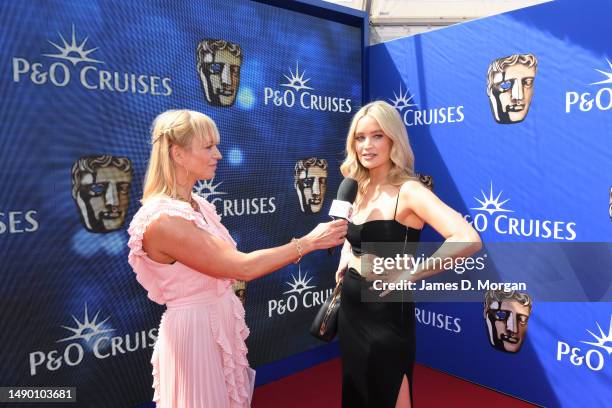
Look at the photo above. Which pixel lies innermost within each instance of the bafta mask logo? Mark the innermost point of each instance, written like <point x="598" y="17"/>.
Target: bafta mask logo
<point x="310" y="176"/>
<point x="506" y="314"/>
<point x="101" y="191"/>
<point x="426" y="180"/>
<point x="218" y="64"/>
<point x="240" y="290"/>
<point x="510" y="87"/>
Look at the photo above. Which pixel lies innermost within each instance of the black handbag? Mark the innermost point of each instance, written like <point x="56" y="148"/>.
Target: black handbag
<point x="325" y="324"/>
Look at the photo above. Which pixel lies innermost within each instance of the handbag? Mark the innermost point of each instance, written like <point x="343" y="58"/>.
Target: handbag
<point x="325" y="324"/>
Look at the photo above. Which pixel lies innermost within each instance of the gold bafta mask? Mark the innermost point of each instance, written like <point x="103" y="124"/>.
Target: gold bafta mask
<point x="506" y="315"/>
<point x="310" y="183"/>
<point x="218" y="65"/>
<point x="510" y="83"/>
<point x="101" y="191"/>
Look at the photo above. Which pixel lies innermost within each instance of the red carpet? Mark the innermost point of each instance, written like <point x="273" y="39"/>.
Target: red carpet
<point x="320" y="386"/>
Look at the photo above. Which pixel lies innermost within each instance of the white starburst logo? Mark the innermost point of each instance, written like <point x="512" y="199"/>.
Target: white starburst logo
<point x="87" y="328"/>
<point x="297" y="81"/>
<point x="300" y="284"/>
<point x="604" y="341"/>
<point x="608" y="75"/>
<point x="401" y="101"/>
<point x="207" y="188"/>
<point x="491" y="204"/>
<point x="72" y="51"/>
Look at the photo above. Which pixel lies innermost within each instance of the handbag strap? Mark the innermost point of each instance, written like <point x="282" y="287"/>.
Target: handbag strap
<point x="338" y="287"/>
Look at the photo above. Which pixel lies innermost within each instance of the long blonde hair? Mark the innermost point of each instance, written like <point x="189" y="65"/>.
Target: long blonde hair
<point x="173" y="127"/>
<point x="402" y="157"/>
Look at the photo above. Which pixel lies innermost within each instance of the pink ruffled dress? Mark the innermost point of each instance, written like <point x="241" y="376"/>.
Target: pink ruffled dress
<point x="199" y="359"/>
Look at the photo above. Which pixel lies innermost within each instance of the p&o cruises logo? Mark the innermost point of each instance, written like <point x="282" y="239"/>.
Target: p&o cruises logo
<point x="228" y="207"/>
<point x="438" y="320"/>
<point x="600" y="99"/>
<point x="302" y="294"/>
<point x="492" y="214"/>
<point x="18" y="222"/>
<point x="594" y="356"/>
<point x="296" y="92"/>
<point x="413" y="116"/>
<point x="93" y="336"/>
<point x="74" y="55"/>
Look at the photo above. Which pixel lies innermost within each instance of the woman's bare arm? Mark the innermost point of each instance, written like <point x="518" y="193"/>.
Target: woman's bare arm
<point x="178" y="239"/>
<point x="461" y="239"/>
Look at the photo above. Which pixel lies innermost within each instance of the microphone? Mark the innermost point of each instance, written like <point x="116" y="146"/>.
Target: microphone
<point x="342" y="206"/>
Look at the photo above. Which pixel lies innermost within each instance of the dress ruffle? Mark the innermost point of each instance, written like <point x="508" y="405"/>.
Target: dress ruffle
<point x="163" y="206"/>
<point x="155" y="372"/>
<point x="235" y="364"/>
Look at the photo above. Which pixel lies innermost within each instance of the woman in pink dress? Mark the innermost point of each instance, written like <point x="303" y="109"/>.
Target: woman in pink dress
<point x="186" y="259"/>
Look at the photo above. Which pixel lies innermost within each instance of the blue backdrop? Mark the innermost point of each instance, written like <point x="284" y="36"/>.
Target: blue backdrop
<point x="553" y="168"/>
<point x="86" y="78"/>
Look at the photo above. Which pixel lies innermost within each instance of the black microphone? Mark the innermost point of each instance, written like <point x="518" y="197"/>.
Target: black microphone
<point x="342" y="206"/>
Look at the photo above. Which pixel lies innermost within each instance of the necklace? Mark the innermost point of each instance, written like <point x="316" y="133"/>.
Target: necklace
<point x="193" y="203"/>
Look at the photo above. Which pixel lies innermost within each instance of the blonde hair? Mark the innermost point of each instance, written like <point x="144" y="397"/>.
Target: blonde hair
<point x="402" y="157"/>
<point x="173" y="127"/>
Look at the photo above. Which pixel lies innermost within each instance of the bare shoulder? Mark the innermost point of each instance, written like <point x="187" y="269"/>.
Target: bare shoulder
<point x="414" y="189"/>
<point x="169" y="227"/>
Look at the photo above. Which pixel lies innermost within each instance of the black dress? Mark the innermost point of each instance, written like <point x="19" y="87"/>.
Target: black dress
<point x="377" y="338"/>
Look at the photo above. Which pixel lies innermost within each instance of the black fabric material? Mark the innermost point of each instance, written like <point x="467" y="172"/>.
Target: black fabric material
<point x="377" y="338"/>
<point x="379" y="231"/>
<point x="377" y="345"/>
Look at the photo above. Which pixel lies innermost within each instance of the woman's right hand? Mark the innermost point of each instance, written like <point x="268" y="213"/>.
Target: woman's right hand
<point x="327" y="234"/>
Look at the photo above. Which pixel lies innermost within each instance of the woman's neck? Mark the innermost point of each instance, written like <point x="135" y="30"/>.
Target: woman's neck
<point x="184" y="192"/>
<point x="379" y="175"/>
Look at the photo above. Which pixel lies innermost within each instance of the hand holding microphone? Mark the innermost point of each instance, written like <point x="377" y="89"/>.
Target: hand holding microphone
<point x="333" y="233"/>
<point x="342" y="206"/>
<point x="327" y="234"/>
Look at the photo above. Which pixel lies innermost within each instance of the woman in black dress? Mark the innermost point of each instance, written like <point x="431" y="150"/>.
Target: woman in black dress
<point x="377" y="339"/>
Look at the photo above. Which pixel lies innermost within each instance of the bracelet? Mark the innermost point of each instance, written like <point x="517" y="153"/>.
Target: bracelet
<point x="298" y="247"/>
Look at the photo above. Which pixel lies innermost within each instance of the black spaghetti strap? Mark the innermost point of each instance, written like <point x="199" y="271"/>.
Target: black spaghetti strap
<point x="396" y="202"/>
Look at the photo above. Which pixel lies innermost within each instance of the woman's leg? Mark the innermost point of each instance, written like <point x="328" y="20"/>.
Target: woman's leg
<point x="403" y="396"/>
